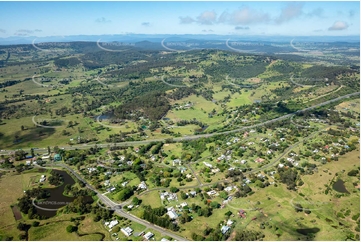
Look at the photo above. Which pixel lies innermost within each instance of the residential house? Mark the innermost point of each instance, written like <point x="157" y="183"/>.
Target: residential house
<point x="212" y="193"/>
<point x="111" y="189"/>
<point x="225" y="229"/>
<point x="127" y="231"/>
<point x="183" y="204"/>
<point x="148" y="235"/>
<point x="142" y="185"/>
<point x="215" y="170"/>
<point x="242" y="213"/>
<point x="112" y="223"/>
<point x="43" y="178"/>
<point x="172" y="214"/>
<point x="193" y="193"/>
<point x="177" y="162"/>
<point x="228" y="189"/>
<point x="91" y="169"/>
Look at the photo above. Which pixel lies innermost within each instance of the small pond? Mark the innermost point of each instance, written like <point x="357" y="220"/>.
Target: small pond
<point x="339" y="186"/>
<point x="56" y="199"/>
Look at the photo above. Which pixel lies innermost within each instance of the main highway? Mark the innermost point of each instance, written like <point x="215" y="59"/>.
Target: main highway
<point x="117" y="207"/>
<point x="192" y="137"/>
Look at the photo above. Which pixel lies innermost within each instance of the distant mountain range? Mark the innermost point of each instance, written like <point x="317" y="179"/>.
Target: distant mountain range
<point x="135" y="38"/>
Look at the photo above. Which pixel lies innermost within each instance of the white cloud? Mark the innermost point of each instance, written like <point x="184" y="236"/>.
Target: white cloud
<point x="207" y="18"/>
<point x="246" y="15"/>
<point x="291" y="11"/>
<point x="338" y="25"/>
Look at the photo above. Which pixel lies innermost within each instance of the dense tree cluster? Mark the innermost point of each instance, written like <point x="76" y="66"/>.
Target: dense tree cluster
<point x="156" y="216"/>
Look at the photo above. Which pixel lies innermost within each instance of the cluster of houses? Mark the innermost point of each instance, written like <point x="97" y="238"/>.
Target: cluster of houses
<point x="128" y="231"/>
<point x="29" y="162"/>
<point x="292" y="160"/>
<point x="225" y="228"/>
<point x="225" y="157"/>
<point x="183" y="107"/>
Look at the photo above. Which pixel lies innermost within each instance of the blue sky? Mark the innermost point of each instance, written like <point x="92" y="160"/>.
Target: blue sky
<point x="244" y="18"/>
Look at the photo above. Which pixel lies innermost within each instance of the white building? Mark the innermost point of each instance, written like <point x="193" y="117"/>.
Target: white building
<point x="211" y="193"/>
<point x="228" y="189"/>
<point x="225" y="229"/>
<point x="172" y="214"/>
<point x="148" y="235"/>
<point x="183" y="204"/>
<point x="142" y="185"/>
<point x="177" y="162"/>
<point x="43" y="178"/>
<point x="113" y="223"/>
<point x="127" y="231"/>
<point x="229" y="222"/>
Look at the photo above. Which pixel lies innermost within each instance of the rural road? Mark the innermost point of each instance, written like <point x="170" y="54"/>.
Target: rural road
<point x="117" y="207"/>
<point x="192" y="137"/>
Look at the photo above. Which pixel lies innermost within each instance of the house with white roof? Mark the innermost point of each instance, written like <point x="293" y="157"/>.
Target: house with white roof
<point x="228" y="189"/>
<point x="172" y="214"/>
<point x="142" y="185"/>
<point x="127" y="231"/>
<point x="148" y="235"/>
<point x="183" y="204"/>
<point x="225" y="229"/>
<point x="177" y="162"/>
<point x="112" y="223"/>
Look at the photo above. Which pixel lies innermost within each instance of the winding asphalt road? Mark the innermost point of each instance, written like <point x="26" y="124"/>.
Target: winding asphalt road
<point x="117" y="207"/>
